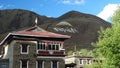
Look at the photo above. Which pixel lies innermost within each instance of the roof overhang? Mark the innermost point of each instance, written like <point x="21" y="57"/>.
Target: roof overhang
<point x="46" y="36"/>
<point x="10" y="36"/>
<point x="6" y="38"/>
<point x="34" y="32"/>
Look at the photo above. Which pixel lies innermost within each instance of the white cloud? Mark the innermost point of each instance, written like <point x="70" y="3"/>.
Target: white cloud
<point x="79" y="1"/>
<point x="73" y="2"/>
<point x="2" y="6"/>
<point x="108" y="11"/>
<point x="32" y="9"/>
<point x="66" y="2"/>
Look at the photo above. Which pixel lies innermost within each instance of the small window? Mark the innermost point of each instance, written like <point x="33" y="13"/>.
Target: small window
<point x="3" y="66"/>
<point x="23" y="64"/>
<point x="54" y="46"/>
<point x="40" y="64"/>
<point x="50" y="46"/>
<point x="81" y="61"/>
<point x="88" y="61"/>
<point x="57" y="47"/>
<point x="41" y="46"/>
<point x="24" y="48"/>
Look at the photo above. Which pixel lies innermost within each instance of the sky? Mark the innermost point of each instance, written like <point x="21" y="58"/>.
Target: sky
<point x="55" y="8"/>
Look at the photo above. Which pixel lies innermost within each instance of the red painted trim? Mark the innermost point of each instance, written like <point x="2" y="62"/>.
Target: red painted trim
<point x="62" y="44"/>
<point x="55" y="53"/>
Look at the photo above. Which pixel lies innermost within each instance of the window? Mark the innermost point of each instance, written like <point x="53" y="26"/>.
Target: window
<point x="4" y="63"/>
<point x="60" y="46"/>
<point x="40" y="64"/>
<point x="41" y="46"/>
<point x="24" y="49"/>
<point x="3" y="66"/>
<point x="81" y="61"/>
<point x="50" y="46"/>
<point x="54" y="64"/>
<point x="23" y="64"/>
<point x="54" y="46"/>
<point x="88" y="61"/>
<point x="57" y="47"/>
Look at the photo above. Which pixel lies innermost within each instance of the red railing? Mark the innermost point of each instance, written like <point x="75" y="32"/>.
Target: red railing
<point x="50" y="53"/>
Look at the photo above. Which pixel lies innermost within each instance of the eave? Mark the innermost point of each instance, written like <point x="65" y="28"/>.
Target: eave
<point x="10" y="36"/>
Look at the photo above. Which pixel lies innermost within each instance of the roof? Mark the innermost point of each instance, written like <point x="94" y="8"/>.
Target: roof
<point x="40" y="34"/>
<point x="34" y="32"/>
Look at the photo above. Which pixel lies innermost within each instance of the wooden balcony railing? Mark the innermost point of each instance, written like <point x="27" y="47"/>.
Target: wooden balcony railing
<point x="51" y="52"/>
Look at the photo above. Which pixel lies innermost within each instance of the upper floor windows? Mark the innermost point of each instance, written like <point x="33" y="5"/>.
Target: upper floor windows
<point x="50" y="45"/>
<point x="24" y="48"/>
<point x="54" y="46"/>
<point x="41" y="46"/>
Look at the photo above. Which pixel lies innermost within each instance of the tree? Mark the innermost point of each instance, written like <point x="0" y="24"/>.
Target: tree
<point x="82" y="52"/>
<point x="116" y="16"/>
<point x="108" y="44"/>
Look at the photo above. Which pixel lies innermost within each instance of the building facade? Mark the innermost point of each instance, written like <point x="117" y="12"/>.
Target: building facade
<point x="33" y="48"/>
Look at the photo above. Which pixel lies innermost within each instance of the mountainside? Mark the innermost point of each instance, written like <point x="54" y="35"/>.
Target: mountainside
<point x="83" y="28"/>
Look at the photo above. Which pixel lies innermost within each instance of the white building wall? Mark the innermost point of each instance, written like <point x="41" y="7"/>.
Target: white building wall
<point x="9" y="53"/>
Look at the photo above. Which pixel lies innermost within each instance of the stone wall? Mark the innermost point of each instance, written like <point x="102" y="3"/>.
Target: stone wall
<point x="32" y="57"/>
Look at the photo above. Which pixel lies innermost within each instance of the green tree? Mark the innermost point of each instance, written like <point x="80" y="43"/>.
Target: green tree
<point x="82" y="52"/>
<point x="116" y="16"/>
<point x="85" y="52"/>
<point x="70" y="53"/>
<point x="108" y="44"/>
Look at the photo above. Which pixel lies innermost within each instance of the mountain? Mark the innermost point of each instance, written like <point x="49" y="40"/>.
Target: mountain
<point x="83" y="28"/>
<point x="15" y="19"/>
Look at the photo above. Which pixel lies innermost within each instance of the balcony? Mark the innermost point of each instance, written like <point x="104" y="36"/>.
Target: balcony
<point x="51" y="52"/>
<point x="50" y="48"/>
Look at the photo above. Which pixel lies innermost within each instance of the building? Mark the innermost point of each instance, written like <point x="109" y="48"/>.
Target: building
<point x="33" y="48"/>
<point x="78" y="61"/>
